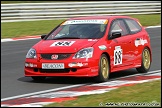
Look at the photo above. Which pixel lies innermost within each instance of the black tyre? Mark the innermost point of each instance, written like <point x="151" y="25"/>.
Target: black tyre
<point x="104" y="69"/>
<point x="38" y="78"/>
<point x="146" y="61"/>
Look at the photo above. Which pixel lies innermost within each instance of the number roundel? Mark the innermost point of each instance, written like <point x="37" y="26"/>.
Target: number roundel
<point x="117" y="55"/>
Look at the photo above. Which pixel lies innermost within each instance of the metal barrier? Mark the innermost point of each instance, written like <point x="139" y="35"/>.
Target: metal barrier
<point x="62" y="10"/>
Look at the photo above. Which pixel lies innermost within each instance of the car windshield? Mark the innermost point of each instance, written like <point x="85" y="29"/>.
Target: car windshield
<point x="79" y="30"/>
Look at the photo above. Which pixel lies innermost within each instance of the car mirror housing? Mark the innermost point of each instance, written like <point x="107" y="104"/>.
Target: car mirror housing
<point x="42" y="36"/>
<point x="115" y="35"/>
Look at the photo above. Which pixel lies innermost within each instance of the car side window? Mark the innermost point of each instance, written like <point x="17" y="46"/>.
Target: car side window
<point x="118" y="26"/>
<point x="133" y="26"/>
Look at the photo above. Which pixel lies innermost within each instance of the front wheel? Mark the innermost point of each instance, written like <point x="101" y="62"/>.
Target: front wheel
<point x="146" y="61"/>
<point x="104" y="69"/>
<point x="38" y="78"/>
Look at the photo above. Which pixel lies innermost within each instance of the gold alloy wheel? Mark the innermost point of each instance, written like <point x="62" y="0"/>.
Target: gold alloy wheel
<point x="146" y="58"/>
<point x="104" y="67"/>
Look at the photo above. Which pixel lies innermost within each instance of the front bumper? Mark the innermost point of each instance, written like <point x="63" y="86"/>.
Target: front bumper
<point x="83" y="68"/>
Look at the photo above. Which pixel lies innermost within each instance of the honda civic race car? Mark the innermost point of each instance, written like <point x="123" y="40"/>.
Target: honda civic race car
<point x="92" y="46"/>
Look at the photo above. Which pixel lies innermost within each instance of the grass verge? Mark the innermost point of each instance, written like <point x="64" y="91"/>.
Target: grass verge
<point x="28" y="28"/>
<point x="19" y="29"/>
<point x="148" y="93"/>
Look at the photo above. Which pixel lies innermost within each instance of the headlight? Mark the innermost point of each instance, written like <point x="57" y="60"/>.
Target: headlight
<point x="84" y="53"/>
<point x="31" y="53"/>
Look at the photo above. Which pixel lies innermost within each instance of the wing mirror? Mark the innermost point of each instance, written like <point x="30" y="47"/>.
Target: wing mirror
<point x="42" y="36"/>
<point x="115" y="35"/>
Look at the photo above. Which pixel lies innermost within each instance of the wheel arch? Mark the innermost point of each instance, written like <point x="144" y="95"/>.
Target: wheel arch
<point x="108" y="56"/>
<point x="149" y="51"/>
<point x="143" y="68"/>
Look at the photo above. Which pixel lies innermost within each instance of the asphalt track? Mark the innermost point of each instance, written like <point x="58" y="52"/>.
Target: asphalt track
<point x="14" y="83"/>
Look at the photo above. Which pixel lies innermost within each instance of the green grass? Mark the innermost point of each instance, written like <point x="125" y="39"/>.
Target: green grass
<point x="149" y="20"/>
<point x="18" y="29"/>
<point x="144" y="92"/>
<point x="28" y="28"/>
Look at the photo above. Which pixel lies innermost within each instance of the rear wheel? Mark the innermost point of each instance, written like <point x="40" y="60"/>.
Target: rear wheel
<point x="103" y="69"/>
<point x="146" y="61"/>
<point x="38" y="78"/>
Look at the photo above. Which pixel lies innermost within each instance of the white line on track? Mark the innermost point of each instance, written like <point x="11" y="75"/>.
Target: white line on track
<point x="153" y="26"/>
<point x="61" y="88"/>
<point x="6" y="40"/>
<point x="151" y="72"/>
<point x="40" y="92"/>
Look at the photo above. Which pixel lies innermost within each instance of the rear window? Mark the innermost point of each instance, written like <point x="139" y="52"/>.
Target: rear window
<point x="133" y="26"/>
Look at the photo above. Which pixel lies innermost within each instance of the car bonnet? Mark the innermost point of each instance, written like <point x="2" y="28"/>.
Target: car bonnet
<point x="64" y="46"/>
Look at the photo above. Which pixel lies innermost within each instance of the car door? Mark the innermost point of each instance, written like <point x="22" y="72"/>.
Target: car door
<point x="121" y="45"/>
<point x="136" y="37"/>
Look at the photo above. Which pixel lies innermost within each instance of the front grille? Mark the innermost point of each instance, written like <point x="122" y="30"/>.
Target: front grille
<point x="66" y="70"/>
<point x="60" y="56"/>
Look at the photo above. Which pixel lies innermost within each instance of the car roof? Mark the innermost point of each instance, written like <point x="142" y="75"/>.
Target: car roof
<point x="99" y="17"/>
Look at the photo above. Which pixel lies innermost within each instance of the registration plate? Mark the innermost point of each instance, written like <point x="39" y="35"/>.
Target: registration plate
<point x="52" y="65"/>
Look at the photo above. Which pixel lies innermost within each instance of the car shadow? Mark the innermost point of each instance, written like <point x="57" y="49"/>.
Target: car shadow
<point x="78" y="80"/>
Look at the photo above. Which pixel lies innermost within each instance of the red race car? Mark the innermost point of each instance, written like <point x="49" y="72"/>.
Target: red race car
<point x="92" y="46"/>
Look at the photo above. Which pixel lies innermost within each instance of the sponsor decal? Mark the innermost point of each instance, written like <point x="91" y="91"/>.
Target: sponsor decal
<point x="92" y="39"/>
<point x="30" y="65"/>
<point x="102" y="47"/>
<point x="77" y="64"/>
<point x="94" y="70"/>
<point x="62" y="43"/>
<point x="85" y="21"/>
<point x="140" y="42"/>
<point x="117" y="55"/>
